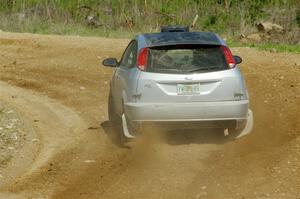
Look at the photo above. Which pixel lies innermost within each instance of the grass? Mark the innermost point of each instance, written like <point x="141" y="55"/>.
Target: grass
<point x="79" y="30"/>
<point x="278" y="47"/>
<point x="40" y="26"/>
<point x="267" y="46"/>
<point x="221" y="16"/>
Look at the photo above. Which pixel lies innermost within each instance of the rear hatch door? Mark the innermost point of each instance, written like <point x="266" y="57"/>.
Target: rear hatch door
<point x="188" y="73"/>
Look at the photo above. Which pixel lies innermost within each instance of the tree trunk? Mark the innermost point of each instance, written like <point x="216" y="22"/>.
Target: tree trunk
<point x="227" y="5"/>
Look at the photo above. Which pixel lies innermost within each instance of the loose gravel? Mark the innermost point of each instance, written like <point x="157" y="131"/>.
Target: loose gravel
<point x="12" y="134"/>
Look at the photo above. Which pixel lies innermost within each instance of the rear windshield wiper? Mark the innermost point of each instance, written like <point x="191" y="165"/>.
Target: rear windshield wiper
<point x="199" y="69"/>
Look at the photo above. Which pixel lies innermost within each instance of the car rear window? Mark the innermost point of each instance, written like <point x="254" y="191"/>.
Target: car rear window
<point x="184" y="59"/>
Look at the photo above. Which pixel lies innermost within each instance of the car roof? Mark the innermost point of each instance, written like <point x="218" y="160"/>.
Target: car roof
<point x="177" y="38"/>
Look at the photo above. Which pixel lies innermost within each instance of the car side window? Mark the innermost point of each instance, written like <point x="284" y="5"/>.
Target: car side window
<point x="129" y="57"/>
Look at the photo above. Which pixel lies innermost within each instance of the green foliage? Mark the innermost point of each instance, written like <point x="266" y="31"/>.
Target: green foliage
<point x="255" y="10"/>
<point x="267" y="46"/>
<point x="222" y="16"/>
<point x="298" y="17"/>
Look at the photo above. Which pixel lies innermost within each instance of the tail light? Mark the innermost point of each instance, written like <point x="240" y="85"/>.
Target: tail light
<point x="228" y="55"/>
<point x="143" y="59"/>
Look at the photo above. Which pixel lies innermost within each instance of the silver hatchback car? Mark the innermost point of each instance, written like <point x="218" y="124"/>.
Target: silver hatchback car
<point x="178" y="78"/>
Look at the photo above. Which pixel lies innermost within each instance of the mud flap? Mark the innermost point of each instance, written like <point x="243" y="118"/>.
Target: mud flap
<point x="126" y="132"/>
<point x="249" y="126"/>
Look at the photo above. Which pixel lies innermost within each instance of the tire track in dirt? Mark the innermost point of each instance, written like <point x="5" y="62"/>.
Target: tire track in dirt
<point x="57" y="128"/>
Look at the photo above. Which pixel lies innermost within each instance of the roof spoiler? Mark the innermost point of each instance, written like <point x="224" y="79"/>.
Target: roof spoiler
<point x="175" y="29"/>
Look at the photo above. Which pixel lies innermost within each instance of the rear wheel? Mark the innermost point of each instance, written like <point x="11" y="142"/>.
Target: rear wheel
<point x="116" y="122"/>
<point x="233" y="133"/>
<point x="112" y="115"/>
<point x="121" y="125"/>
<point x="238" y="133"/>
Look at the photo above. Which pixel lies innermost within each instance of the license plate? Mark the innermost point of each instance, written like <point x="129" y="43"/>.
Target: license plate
<point x="188" y="89"/>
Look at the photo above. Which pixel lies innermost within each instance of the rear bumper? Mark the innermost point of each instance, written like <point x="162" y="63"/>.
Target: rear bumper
<point x="190" y="125"/>
<point x="187" y="112"/>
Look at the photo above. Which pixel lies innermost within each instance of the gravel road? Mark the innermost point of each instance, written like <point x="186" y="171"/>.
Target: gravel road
<point x="59" y="90"/>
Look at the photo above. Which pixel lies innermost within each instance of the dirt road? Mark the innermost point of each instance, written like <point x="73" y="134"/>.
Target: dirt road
<point x="59" y="87"/>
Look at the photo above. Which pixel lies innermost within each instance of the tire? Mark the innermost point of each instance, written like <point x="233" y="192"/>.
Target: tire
<point x="116" y="122"/>
<point x="112" y="115"/>
<point x="238" y="133"/>
<point x="233" y="133"/>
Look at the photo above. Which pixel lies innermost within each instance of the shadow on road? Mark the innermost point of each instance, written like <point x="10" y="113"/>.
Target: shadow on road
<point x="188" y="136"/>
<point x="171" y="137"/>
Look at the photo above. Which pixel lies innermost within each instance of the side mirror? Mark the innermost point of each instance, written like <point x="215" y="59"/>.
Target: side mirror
<point x="110" y="62"/>
<point x="237" y="59"/>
